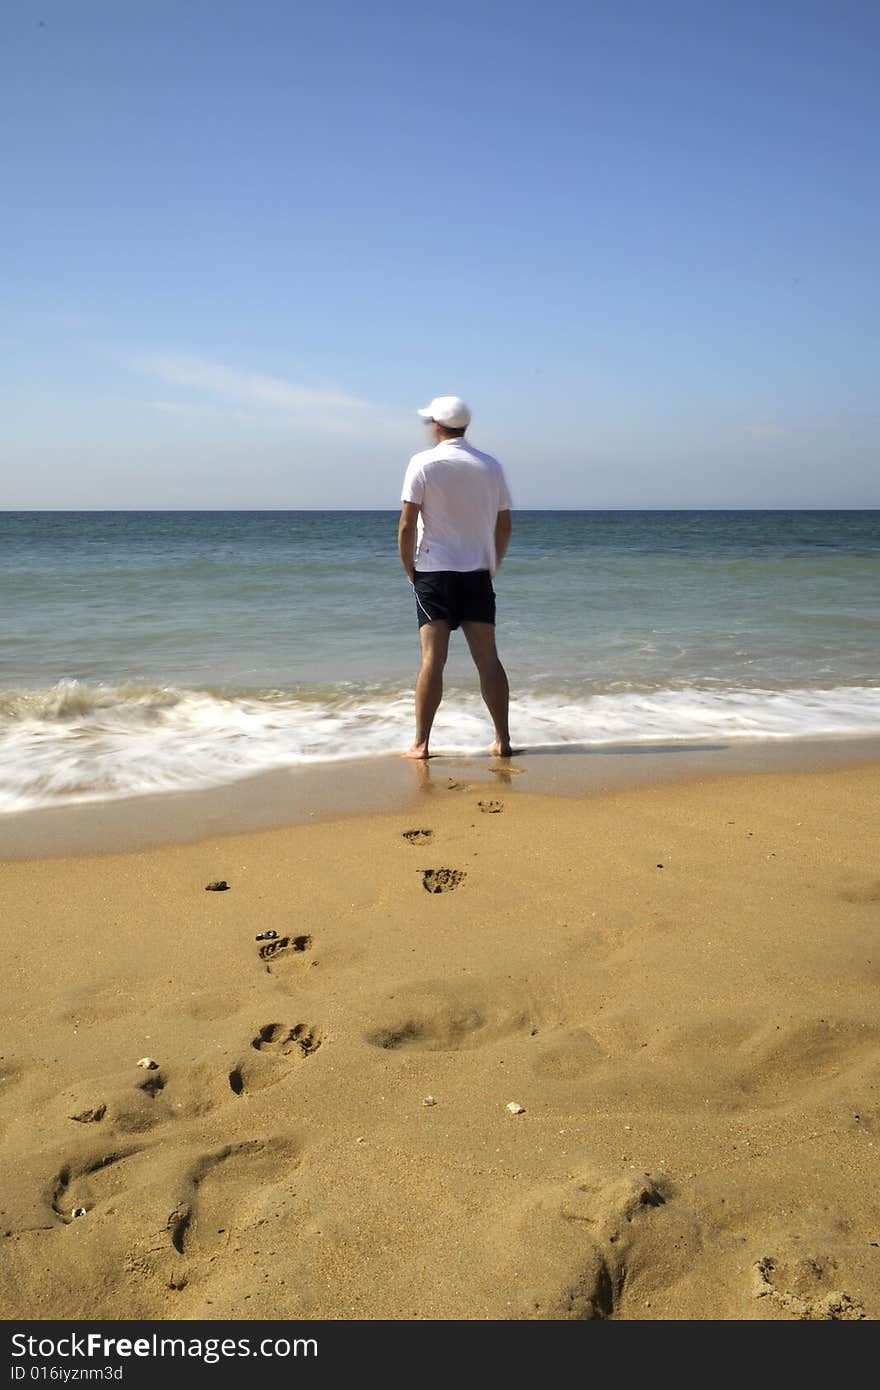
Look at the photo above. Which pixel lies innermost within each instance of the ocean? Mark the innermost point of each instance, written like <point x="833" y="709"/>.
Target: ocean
<point x="154" y="651"/>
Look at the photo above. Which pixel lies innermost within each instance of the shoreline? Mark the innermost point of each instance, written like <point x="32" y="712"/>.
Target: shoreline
<point x="327" y="791"/>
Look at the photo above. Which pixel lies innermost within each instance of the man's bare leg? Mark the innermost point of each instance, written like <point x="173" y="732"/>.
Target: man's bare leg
<point x="493" y="681"/>
<point x="434" y="638"/>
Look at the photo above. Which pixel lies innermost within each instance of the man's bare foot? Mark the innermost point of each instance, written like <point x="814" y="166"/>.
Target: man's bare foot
<point x="501" y="750"/>
<point x="418" y="752"/>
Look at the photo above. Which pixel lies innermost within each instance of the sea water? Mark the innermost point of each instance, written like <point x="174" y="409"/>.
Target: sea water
<point x="151" y="651"/>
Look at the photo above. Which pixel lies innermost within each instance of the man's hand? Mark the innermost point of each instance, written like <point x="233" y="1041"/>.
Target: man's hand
<point x="503" y="528"/>
<point x="406" y="537"/>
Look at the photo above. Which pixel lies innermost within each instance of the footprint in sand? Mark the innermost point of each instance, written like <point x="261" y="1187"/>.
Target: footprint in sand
<point x="161" y="1214"/>
<point x="818" y="1054"/>
<point x="278" y="1038"/>
<point x="225" y="1191"/>
<point x="82" y="1186"/>
<point x="283" y="949"/>
<point x="440" y="1018"/>
<point x="448" y="1030"/>
<point x="585" y="1232"/>
<point x="805" y="1290"/>
<point x="122" y="1103"/>
<point x="418" y="837"/>
<point x="491" y="808"/>
<point x="274" y="1042"/>
<point x="442" y="880"/>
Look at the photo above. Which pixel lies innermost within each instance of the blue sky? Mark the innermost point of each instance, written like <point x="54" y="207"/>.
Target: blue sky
<point x="243" y="242"/>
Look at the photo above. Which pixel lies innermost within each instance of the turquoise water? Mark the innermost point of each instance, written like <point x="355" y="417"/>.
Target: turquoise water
<point x="151" y="650"/>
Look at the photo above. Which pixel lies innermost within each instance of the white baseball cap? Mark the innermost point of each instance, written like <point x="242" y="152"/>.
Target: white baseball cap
<point x="447" y="410"/>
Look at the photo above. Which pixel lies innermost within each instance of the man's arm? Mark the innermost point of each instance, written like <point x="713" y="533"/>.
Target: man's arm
<point x="503" y="528"/>
<point x="406" y="536"/>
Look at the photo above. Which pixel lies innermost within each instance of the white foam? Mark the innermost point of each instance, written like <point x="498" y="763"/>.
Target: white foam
<point x="77" y="742"/>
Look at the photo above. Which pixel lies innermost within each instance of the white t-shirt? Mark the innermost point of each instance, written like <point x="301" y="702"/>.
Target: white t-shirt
<point x="460" y="491"/>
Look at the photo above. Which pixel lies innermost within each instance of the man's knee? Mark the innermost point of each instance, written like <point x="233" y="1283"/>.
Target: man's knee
<point x="485" y="658"/>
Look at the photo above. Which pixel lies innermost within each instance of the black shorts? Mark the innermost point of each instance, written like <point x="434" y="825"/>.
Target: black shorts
<point x="454" y="597"/>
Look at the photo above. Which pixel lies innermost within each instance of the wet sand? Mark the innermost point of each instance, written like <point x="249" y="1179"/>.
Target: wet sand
<point x="676" y="981"/>
<point x="350" y="787"/>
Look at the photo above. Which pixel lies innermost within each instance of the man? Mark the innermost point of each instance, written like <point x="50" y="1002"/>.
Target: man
<point x="456" y="505"/>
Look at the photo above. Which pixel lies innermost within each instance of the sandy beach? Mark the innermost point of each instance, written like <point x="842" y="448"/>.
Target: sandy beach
<point x="676" y="983"/>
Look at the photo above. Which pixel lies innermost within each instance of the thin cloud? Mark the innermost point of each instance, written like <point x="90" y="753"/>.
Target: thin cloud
<point x="170" y="407"/>
<point x="205" y="409"/>
<point x="332" y="412"/>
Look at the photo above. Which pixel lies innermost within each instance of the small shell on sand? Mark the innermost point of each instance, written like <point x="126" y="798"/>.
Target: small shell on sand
<point x="429" y="1100"/>
<point x="78" y="1211"/>
<point x="149" y="1064"/>
<point x="218" y="886"/>
<point x="515" y="1108"/>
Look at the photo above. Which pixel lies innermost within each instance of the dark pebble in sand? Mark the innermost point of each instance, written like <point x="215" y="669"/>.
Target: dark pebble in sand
<point x="265" y="936"/>
<point x="218" y="886"/>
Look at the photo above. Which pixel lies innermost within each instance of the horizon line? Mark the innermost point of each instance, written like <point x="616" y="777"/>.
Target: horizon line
<point x="293" y="511"/>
